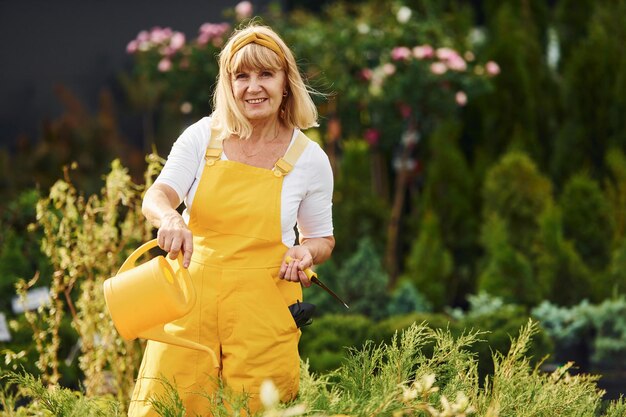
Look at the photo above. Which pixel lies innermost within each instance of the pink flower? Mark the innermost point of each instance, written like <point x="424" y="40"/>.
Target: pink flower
<point x="132" y="46"/>
<point x="243" y="10"/>
<point x="461" y="98"/>
<point x="492" y="68"/>
<point x="366" y="74"/>
<point x="212" y="32"/>
<point x="158" y="35"/>
<point x="423" y="52"/>
<point x="203" y="39"/>
<point x="446" y="54"/>
<point x="405" y="110"/>
<point x="389" y="69"/>
<point x="400" y="53"/>
<point x="143" y="36"/>
<point x="165" y="64"/>
<point x="438" y="68"/>
<point x="372" y="136"/>
<point x="177" y="41"/>
<point x="456" y="63"/>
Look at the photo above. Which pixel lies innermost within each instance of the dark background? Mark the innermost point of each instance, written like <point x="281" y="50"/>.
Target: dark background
<point x="80" y="44"/>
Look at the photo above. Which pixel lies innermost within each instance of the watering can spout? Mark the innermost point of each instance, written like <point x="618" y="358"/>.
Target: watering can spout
<point x="142" y="299"/>
<point x="158" y="334"/>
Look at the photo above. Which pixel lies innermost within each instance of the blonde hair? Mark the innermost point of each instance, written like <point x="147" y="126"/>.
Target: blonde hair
<point x="297" y="108"/>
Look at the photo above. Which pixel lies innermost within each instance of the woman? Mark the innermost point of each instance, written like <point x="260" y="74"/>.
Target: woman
<point x="247" y="176"/>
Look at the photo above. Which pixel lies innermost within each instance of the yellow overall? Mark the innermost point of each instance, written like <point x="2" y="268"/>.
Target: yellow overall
<point x="241" y="310"/>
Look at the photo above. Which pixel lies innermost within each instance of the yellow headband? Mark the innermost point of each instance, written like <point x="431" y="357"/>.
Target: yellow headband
<point x="259" y="39"/>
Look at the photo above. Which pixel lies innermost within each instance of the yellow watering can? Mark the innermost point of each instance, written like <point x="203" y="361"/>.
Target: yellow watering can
<point x="142" y="299"/>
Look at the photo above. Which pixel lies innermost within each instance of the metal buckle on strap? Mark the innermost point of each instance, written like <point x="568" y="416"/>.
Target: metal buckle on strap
<point x="282" y="167"/>
<point x="212" y="154"/>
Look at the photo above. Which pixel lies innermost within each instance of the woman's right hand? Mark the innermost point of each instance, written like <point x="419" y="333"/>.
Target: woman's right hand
<point x="159" y="207"/>
<point x="174" y="236"/>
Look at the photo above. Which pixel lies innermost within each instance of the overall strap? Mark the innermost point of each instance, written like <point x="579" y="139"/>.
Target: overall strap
<point x="214" y="150"/>
<point x="285" y="164"/>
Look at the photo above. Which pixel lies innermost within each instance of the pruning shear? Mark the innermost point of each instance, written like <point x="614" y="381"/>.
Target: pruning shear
<point x="313" y="277"/>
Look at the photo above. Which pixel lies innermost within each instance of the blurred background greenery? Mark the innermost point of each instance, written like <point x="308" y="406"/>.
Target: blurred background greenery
<point x="478" y="152"/>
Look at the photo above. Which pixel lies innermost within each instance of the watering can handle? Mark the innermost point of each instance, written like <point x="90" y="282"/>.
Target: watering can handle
<point x="130" y="261"/>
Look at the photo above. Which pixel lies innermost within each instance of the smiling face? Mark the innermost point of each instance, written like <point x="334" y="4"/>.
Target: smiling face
<point x="259" y="92"/>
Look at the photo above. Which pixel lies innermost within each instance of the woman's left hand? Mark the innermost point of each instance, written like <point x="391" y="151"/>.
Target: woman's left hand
<point x="302" y="259"/>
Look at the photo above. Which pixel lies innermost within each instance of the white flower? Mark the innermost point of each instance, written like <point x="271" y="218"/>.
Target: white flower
<point x="363" y="28"/>
<point x="269" y="394"/>
<point x="404" y="14"/>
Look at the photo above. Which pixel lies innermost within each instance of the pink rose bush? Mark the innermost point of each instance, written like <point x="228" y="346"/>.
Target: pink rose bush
<point x="444" y="72"/>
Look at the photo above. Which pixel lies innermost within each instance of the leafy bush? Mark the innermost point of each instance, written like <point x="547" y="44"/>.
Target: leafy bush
<point x="587" y="220"/>
<point x="507" y="272"/>
<point x="359" y="280"/>
<point x="599" y="328"/>
<point x="429" y="264"/>
<point x="405" y="298"/>
<point x="560" y="270"/>
<point x="324" y="343"/>
<point x="389" y="379"/>
<point x="518" y="193"/>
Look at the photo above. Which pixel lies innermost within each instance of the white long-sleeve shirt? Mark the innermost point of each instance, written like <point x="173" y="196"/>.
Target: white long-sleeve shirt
<point x="306" y="196"/>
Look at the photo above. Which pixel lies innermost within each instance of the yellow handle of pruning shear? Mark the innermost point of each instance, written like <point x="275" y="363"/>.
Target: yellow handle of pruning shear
<point x="313" y="277"/>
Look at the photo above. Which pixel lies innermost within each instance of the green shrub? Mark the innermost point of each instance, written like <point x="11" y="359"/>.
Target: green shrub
<point x="615" y="186"/>
<point x="518" y="193"/>
<point x="593" y="84"/>
<point x="506" y="271"/>
<point x="429" y="264"/>
<point x="357" y="211"/>
<point x="359" y="280"/>
<point x="387" y="379"/>
<point x="600" y="328"/>
<point x="449" y="194"/>
<point x="587" y="220"/>
<point x="405" y="299"/>
<point x="323" y="343"/>
<point x="559" y="267"/>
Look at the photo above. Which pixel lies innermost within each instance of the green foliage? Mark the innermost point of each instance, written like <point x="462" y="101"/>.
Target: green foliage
<point x="594" y="84"/>
<point x="429" y="264"/>
<point x="357" y="211"/>
<point x="572" y="23"/>
<point x="323" y="343"/>
<point x="559" y="266"/>
<point x="616" y="279"/>
<point x="518" y="193"/>
<point x="520" y="113"/>
<point x="615" y="189"/>
<point x="449" y="193"/>
<point x="405" y="298"/>
<point x="56" y="401"/>
<point x="20" y="254"/>
<point x="359" y="280"/>
<point x="601" y="326"/>
<point x="518" y="389"/>
<point x="498" y="321"/>
<point x="587" y="220"/>
<point x="388" y="379"/>
<point x="507" y="272"/>
<point x="85" y="240"/>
